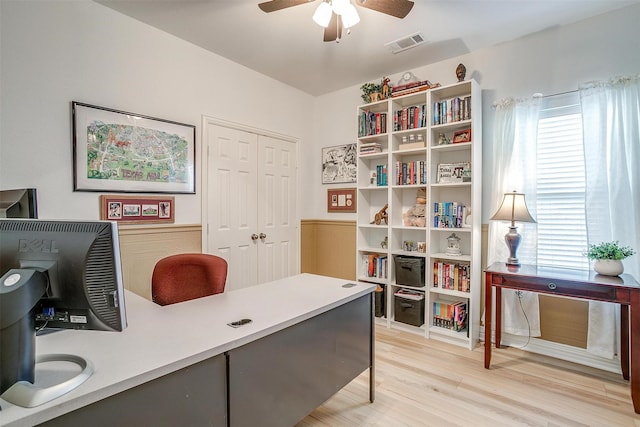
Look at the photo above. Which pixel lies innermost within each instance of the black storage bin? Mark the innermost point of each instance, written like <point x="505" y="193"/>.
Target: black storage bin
<point x="409" y="270"/>
<point x="409" y="310"/>
<point x="380" y="301"/>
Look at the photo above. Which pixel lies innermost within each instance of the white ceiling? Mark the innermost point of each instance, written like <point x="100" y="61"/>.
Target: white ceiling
<point x="287" y="45"/>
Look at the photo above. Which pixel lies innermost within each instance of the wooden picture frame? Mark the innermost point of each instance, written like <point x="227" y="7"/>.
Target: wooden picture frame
<point x="131" y="153"/>
<point x="341" y="200"/>
<point x="137" y="210"/>
<point x="463" y="135"/>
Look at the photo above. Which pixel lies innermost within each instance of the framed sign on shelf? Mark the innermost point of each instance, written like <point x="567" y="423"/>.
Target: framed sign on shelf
<point x="116" y="151"/>
<point x="463" y="135"/>
<point x="341" y="200"/>
<point x="137" y="210"/>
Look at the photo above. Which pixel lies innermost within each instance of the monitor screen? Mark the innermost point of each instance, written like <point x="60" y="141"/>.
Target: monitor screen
<point x="55" y="274"/>
<point x="18" y="203"/>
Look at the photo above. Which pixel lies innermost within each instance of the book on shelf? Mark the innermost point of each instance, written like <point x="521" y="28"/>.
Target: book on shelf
<point x="370" y="148"/>
<point x="453" y="173"/>
<point x="410" y="173"/>
<point x="451" y="110"/>
<point x="375" y="266"/>
<point x="371" y="123"/>
<point x="409" y="294"/>
<point x="413" y="87"/>
<point x="381" y="175"/>
<point x="448" y="214"/>
<point x="452" y="276"/>
<point x="450" y="315"/>
<point x="412" y="117"/>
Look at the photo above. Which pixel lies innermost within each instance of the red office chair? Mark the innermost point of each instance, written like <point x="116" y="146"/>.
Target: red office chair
<point x="183" y="277"/>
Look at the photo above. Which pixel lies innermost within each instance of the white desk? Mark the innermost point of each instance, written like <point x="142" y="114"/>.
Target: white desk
<point x="163" y="340"/>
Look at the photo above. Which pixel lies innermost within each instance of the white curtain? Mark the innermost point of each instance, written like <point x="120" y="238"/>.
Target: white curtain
<point x="611" y="127"/>
<point x="514" y="156"/>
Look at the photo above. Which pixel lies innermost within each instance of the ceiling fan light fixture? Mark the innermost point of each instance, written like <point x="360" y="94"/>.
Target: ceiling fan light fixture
<point x="322" y="15"/>
<point x="340" y="6"/>
<point x="350" y="16"/>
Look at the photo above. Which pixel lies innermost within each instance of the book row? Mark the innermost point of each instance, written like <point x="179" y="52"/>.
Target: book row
<point x="452" y="110"/>
<point x="379" y="177"/>
<point x="370" y="123"/>
<point x="452" y="276"/>
<point x="409" y="173"/>
<point x="375" y="266"/>
<point x="448" y="214"/>
<point x="450" y="315"/>
<point x="413" y="117"/>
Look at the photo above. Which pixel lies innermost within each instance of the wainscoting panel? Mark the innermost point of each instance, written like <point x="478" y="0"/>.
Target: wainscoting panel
<point x="142" y="246"/>
<point x="328" y="248"/>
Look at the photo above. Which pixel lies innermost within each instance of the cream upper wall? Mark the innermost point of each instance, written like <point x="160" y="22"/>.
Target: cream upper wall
<point x="548" y="62"/>
<point x="55" y="52"/>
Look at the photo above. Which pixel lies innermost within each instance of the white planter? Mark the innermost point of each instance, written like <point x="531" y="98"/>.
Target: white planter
<point x="608" y="267"/>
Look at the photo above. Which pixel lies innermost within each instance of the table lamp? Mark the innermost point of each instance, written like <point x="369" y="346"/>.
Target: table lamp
<point x="513" y="208"/>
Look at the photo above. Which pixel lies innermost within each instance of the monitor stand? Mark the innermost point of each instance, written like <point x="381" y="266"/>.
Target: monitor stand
<point x="28" y="395"/>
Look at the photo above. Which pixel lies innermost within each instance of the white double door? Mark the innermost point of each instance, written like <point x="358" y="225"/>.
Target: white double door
<point x="249" y="203"/>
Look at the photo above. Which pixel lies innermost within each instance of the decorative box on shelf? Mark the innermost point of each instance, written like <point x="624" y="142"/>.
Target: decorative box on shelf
<point x="411" y="145"/>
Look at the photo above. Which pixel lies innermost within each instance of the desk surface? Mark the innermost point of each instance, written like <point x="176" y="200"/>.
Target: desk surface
<point x="569" y="274"/>
<point x="160" y="340"/>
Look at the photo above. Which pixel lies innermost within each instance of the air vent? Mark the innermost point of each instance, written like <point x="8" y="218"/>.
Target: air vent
<point x="407" y="42"/>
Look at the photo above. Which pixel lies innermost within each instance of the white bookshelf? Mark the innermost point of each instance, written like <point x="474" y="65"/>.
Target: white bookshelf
<point x="419" y="146"/>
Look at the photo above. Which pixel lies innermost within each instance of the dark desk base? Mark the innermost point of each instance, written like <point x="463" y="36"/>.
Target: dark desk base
<point x="274" y="381"/>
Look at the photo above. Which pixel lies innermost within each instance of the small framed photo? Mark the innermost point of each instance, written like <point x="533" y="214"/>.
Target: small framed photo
<point x="463" y="135"/>
<point x="341" y="200"/>
<point x="137" y="210"/>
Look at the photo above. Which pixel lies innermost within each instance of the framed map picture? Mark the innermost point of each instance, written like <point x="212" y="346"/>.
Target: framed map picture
<point x="339" y="164"/>
<point x="126" y="152"/>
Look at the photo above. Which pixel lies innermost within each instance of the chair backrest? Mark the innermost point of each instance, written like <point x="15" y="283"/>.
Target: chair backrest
<point x="183" y="277"/>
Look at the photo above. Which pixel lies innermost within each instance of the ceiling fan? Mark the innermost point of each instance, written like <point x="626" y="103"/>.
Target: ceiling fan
<point x="334" y="22"/>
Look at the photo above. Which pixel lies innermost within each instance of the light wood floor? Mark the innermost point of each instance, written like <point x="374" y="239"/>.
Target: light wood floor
<point x="423" y="382"/>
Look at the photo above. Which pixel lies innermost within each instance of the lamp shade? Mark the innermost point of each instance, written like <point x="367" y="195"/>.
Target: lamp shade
<point x="322" y="15"/>
<point x="340" y="6"/>
<point x="350" y="17"/>
<point x="513" y="208"/>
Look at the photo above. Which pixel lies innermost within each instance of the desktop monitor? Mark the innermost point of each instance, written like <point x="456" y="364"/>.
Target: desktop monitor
<point x="55" y="274"/>
<point x="20" y="203"/>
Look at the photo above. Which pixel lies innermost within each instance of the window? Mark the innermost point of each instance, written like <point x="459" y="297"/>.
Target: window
<point x="562" y="232"/>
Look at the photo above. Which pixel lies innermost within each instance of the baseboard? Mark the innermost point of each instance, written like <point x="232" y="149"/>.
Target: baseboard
<point x="559" y="351"/>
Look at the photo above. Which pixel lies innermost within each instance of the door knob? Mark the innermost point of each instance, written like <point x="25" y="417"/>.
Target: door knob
<point x="263" y="236"/>
<point x="254" y="236"/>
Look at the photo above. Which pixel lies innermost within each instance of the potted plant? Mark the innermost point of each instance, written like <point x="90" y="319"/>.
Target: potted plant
<point x="608" y="257"/>
<point x="370" y="92"/>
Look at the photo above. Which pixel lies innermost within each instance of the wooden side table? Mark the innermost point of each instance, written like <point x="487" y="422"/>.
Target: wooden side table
<point x="584" y="284"/>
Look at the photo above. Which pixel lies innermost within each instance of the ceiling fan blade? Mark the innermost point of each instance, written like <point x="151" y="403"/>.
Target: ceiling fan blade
<point x="274" y="5"/>
<point x="333" y="32"/>
<point x="397" y="8"/>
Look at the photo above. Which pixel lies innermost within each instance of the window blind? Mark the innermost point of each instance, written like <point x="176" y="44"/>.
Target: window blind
<point x="562" y="233"/>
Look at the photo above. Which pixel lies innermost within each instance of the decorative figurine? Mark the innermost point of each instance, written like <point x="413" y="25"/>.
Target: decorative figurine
<point x="442" y="139"/>
<point x="453" y="245"/>
<point x="385" y="242"/>
<point x="461" y="72"/>
<point x="386" y="90"/>
<point x="381" y="216"/>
